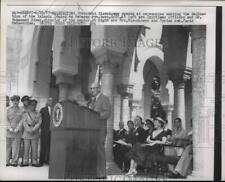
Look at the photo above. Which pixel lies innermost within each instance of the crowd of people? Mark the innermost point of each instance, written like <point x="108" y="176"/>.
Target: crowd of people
<point x="132" y="148"/>
<point x="26" y="127"/>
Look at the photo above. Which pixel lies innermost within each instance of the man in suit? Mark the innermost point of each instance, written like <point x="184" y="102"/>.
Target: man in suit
<point x="101" y="104"/>
<point x="121" y="133"/>
<point x="7" y="101"/>
<point x="118" y="149"/>
<point x="45" y="132"/>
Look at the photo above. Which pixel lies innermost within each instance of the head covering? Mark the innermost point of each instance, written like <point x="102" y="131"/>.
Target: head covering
<point x="33" y="101"/>
<point x="25" y="98"/>
<point x="161" y="120"/>
<point x="15" y="97"/>
<point x="150" y="121"/>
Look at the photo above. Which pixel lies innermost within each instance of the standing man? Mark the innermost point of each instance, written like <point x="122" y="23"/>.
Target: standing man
<point x="14" y="132"/>
<point x="7" y="102"/>
<point x="101" y="104"/>
<point x="45" y="132"/>
<point x="25" y="100"/>
<point x="32" y="123"/>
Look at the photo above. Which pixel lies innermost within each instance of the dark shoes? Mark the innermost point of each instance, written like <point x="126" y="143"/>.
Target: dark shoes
<point x="173" y="175"/>
<point x="14" y="165"/>
<point x="36" y="165"/>
<point x="24" y="165"/>
<point x="104" y="177"/>
<point x="8" y="164"/>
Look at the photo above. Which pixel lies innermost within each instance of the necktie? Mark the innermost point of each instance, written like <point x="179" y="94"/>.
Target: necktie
<point x="93" y="103"/>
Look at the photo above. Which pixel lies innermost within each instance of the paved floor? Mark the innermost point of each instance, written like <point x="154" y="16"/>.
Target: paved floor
<point x="41" y="173"/>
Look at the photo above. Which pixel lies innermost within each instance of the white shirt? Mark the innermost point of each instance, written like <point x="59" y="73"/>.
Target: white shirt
<point x="97" y="96"/>
<point x="49" y="110"/>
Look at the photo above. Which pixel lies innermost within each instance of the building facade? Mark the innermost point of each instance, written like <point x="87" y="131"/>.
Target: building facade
<point x="61" y="62"/>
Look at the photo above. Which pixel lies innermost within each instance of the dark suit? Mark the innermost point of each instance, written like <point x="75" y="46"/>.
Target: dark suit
<point x="119" y="151"/>
<point x="120" y="134"/>
<point x="45" y="135"/>
<point x="101" y="105"/>
<point x="140" y="135"/>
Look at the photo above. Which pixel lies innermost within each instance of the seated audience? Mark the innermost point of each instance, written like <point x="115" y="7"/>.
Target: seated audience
<point x="126" y="146"/>
<point x="140" y="151"/>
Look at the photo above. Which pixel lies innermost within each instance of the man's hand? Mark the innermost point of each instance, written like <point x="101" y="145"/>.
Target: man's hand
<point x="16" y="130"/>
<point x="10" y="129"/>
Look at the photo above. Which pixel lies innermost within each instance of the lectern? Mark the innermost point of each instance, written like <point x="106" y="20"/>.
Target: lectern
<point x="73" y="152"/>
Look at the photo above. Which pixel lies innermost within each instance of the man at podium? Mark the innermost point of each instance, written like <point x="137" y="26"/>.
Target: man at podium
<point x="101" y="104"/>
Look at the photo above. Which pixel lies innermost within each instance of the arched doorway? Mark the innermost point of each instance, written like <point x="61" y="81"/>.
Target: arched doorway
<point x="150" y="65"/>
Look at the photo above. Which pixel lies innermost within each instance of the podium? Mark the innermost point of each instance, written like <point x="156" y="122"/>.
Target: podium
<point x="73" y="151"/>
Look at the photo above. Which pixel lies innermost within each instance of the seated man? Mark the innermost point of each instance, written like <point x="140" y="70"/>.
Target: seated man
<point x="184" y="165"/>
<point x="178" y="134"/>
<point x="118" y="149"/>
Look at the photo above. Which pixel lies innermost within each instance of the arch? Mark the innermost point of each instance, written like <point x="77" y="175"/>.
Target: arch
<point x="136" y="78"/>
<point x="151" y="63"/>
<point x="156" y="56"/>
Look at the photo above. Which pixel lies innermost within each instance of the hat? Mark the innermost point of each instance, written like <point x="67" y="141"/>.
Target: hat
<point x="15" y="97"/>
<point x="150" y="120"/>
<point x="32" y="101"/>
<point x="25" y="98"/>
<point x="161" y="120"/>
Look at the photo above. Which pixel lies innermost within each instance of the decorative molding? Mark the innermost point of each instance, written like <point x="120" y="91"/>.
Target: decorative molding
<point x="125" y="90"/>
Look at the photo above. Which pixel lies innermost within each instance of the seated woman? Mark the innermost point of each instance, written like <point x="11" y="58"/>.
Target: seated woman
<point x="140" y="152"/>
<point x="150" y="126"/>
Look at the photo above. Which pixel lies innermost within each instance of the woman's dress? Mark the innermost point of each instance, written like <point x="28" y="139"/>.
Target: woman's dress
<point x="140" y="153"/>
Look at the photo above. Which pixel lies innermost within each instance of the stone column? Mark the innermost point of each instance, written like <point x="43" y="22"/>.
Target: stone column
<point x="169" y="116"/>
<point x="202" y="151"/>
<point x="64" y="81"/>
<point x="65" y="58"/>
<point x="179" y="90"/>
<point x="147" y="95"/>
<point x="125" y="91"/>
<point x="179" y="100"/>
<point x="170" y="89"/>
